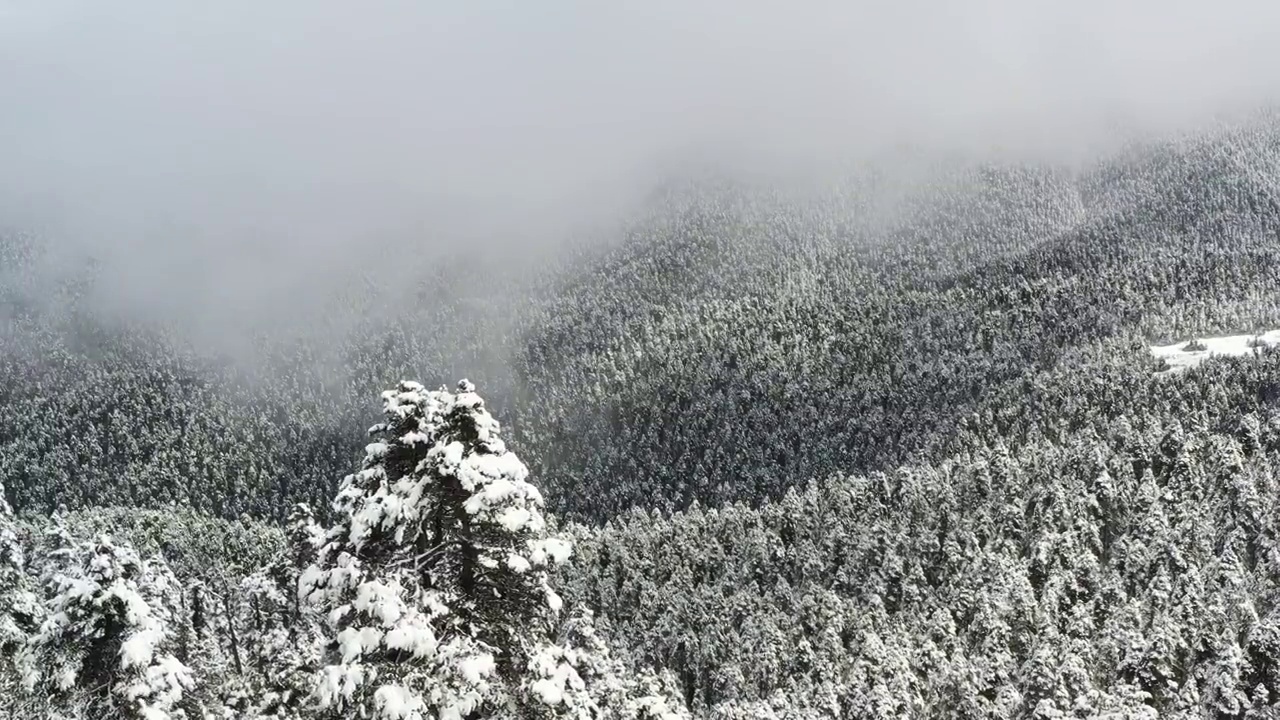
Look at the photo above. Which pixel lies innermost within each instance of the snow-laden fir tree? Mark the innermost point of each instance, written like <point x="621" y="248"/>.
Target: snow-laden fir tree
<point x="105" y="649"/>
<point x="19" y="607"/>
<point x="276" y="643"/>
<point x="196" y="628"/>
<point x="578" y="677"/>
<point x="435" y="576"/>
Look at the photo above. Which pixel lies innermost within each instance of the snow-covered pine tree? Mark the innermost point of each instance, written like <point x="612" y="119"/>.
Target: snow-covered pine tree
<point x="276" y="643"/>
<point x="434" y="578"/>
<point x="19" y="606"/>
<point x="578" y="677"/>
<point x="17" y="602"/>
<point x="199" y="629"/>
<point x="105" y="648"/>
<point x="480" y="519"/>
<point x="196" y="643"/>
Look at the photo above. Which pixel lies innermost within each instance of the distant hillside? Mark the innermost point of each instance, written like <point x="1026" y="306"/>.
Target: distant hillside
<point x="800" y="350"/>
<point x="1119" y="563"/>
<point x="733" y="343"/>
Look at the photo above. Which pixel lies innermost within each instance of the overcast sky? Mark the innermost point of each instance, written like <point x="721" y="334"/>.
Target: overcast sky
<point x="203" y="139"/>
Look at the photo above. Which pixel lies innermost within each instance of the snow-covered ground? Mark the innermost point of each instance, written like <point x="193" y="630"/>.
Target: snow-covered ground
<point x="1179" y="358"/>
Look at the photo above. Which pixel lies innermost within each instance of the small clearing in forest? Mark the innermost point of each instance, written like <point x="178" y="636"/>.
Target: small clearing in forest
<point x="1183" y="355"/>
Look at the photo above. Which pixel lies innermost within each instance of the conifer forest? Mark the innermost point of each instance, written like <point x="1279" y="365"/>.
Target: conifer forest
<point x="976" y="419"/>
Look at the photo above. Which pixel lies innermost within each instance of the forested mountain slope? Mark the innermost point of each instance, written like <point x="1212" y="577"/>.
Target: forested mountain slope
<point x="830" y="455"/>
<point x="736" y="341"/>
<point x="1117" y="554"/>
<point x="816" y="353"/>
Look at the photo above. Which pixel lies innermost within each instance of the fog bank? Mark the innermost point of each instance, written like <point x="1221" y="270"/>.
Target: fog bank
<point x="226" y="158"/>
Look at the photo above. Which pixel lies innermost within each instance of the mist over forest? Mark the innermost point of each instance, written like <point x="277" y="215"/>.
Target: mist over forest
<point x="232" y="162"/>
<point x="723" y="360"/>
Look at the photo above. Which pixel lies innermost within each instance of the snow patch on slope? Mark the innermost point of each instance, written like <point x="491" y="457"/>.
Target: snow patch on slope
<point x="1184" y="355"/>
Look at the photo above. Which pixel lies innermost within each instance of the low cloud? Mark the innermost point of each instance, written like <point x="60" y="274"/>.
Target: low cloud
<point x="223" y="157"/>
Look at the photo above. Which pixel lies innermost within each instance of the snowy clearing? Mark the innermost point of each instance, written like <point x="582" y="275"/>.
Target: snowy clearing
<point x="1183" y="355"/>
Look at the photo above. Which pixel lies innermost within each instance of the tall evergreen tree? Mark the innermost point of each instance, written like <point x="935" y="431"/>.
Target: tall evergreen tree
<point x="435" y="577"/>
<point x="19" y="607"/>
<point x="106" y="647"/>
<point x="276" y="642"/>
